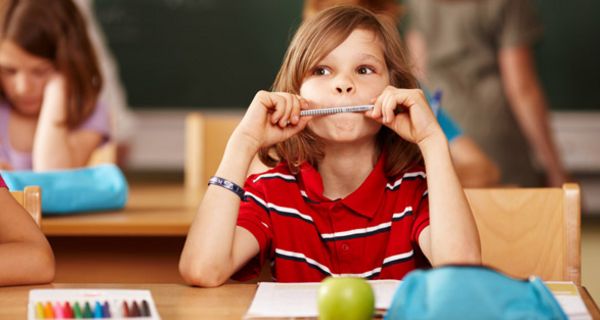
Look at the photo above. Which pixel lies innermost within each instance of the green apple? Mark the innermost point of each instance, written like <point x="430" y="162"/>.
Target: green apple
<point x="345" y="298"/>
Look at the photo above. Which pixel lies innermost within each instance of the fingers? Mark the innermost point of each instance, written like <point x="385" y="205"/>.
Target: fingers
<point x="284" y="108"/>
<point x="392" y="101"/>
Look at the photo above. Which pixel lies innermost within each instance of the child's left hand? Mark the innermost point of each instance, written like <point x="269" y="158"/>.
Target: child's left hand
<point x="407" y="112"/>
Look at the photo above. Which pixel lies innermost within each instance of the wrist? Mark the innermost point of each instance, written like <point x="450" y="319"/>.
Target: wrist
<point x="432" y="143"/>
<point x="237" y="157"/>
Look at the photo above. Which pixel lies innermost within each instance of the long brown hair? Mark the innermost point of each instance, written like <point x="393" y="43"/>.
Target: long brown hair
<point x="55" y="30"/>
<point x="315" y="38"/>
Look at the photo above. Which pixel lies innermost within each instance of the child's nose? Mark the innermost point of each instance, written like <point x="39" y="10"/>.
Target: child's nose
<point x="344" y="88"/>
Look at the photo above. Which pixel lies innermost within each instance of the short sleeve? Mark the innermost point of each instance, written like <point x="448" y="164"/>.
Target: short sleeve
<point x="254" y="217"/>
<point x="99" y="121"/>
<point x="2" y="184"/>
<point x="420" y="211"/>
<point x="519" y="25"/>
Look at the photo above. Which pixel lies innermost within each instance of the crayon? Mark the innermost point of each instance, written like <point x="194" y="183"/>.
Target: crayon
<point x="135" y="310"/>
<point x="67" y="311"/>
<point x="106" y="310"/>
<point x="87" y="310"/>
<point x="98" y="314"/>
<point x="58" y="311"/>
<point x="77" y="311"/>
<point x="125" y="309"/>
<point x="48" y="311"/>
<point x="39" y="310"/>
<point x="145" y="309"/>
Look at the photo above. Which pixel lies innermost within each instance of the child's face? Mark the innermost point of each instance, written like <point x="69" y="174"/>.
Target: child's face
<point x="353" y="73"/>
<point x="24" y="77"/>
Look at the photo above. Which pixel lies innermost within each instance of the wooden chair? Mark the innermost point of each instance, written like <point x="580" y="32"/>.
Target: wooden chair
<point x="530" y="231"/>
<point x="206" y="136"/>
<point x="107" y="153"/>
<point x="31" y="199"/>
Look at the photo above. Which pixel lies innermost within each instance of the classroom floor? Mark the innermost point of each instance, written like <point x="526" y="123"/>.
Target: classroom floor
<point x="590" y="255"/>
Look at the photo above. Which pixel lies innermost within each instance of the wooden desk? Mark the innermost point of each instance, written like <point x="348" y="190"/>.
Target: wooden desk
<point x="174" y="301"/>
<point x="139" y="244"/>
<point x="152" y="210"/>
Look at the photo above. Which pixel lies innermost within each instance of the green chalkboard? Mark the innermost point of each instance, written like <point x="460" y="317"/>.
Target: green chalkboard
<point x="197" y="53"/>
<point x="568" y="56"/>
<point x="218" y="53"/>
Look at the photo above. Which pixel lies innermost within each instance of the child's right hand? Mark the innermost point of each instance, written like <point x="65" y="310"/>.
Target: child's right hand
<point x="272" y="117"/>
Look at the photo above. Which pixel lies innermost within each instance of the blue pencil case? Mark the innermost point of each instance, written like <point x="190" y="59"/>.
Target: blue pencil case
<point x="97" y="188"/>
<point x="471" y="292"/>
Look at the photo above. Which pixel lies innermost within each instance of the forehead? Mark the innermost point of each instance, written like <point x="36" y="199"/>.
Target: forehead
<point x="360" y="42"/>
<point x="14" y="56"/>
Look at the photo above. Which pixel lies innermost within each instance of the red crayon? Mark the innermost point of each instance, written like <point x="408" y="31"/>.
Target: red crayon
<point x="67" y="311"/>
<point x="125" y="310"/>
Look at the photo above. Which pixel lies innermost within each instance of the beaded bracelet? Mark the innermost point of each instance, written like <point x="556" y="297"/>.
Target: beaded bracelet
<point x="229" y="185"/>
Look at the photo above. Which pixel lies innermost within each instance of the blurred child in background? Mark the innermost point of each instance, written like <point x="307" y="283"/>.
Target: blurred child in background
<point x="50" y="115"/>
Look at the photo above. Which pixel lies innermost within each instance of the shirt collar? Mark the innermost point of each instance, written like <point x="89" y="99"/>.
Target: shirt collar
<point x="365" y="200"/>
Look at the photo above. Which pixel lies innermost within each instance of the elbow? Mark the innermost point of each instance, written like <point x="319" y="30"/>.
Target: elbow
<point x="483" y="175"/>
<point x="489" y="176"/>
<point x="202" y="274"/>
<point x="43" y="265"/>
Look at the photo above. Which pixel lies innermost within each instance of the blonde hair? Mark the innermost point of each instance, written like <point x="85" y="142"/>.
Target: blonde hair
<point x="315" y="38"/>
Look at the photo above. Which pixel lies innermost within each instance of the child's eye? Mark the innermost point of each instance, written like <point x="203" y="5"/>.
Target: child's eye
<point x="7" y="71"/>
<point x="321" y="71"/>
<point x="41" y="72"/>
<point x="365" y="70"/>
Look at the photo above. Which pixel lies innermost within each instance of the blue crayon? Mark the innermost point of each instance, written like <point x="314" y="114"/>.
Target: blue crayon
<point x="98" y="312"/>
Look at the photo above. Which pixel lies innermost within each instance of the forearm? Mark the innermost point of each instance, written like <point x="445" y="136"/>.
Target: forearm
<point x="532" y="114"/>
<point x="453" y="232"/>
<point x="210" y="242"/>
<point x="26" y="263"/>
<point x="51" y="149"/>
<point x="527" y="101"/>
<point x="473" y="167"/>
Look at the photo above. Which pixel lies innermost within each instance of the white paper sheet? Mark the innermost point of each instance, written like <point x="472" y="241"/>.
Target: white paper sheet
<point x="295" y="300"/>
<point x="300" y="299"/>
<point x="570" y="300"/>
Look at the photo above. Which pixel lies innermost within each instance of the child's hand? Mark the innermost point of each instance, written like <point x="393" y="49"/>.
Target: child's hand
<point x="407" y="112"/>
<point x="272" y="117"/>
<point x="55" y="85"/>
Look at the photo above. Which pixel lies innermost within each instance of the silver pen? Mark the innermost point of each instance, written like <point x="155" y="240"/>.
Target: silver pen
<point x="334" y="110"/>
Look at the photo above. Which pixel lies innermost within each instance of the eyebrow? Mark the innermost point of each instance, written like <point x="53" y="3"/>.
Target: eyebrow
<point x="368" y="56"/>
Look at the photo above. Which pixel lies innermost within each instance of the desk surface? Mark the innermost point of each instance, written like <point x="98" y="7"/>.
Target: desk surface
<point x="152" y="210"/>
<point x="230" y="301"/>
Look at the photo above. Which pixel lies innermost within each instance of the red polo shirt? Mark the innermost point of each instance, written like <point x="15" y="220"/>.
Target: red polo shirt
<point x="371" y="233"/>
<point x="2" y="184"/>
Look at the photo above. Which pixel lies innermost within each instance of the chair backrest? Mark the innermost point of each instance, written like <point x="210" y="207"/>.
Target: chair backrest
<point x="31" y="199"/>
<point x="107" y="153"/>
<point x="530" y="231"/>
<point x="206" y="136"/>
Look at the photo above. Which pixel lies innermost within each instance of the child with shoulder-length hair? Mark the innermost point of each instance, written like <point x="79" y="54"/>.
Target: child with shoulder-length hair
<point x="25" y="255"/>
<point x="349" y="193"/>
<point x="50" y="117"/>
